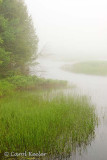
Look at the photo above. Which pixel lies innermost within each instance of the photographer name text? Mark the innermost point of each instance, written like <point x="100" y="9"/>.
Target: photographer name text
<point x="24" y="154"/>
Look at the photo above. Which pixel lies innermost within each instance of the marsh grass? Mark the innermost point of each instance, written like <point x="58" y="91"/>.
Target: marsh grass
<point x="35" y="122"/>
<point x="88" y="67"/>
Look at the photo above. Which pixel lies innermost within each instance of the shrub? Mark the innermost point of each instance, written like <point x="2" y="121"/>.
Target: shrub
<point x="5" y="88"/>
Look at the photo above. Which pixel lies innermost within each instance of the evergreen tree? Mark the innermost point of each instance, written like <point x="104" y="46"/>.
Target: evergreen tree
<point x="18" y="41"/>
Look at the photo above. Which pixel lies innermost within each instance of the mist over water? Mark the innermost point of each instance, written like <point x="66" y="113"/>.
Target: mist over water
<point x="95" y="88"/>
<point x="74" y="30"/>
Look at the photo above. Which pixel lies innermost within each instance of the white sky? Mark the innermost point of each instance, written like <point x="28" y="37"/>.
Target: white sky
<point x="71" y="27"/>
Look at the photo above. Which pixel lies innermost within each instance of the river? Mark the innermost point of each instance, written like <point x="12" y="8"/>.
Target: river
<point x="95" y="87"/>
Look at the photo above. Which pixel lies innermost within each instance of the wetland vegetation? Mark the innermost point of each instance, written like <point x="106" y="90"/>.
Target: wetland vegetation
<point x="88" y="67"/>
<point x="35" y="121"/>
<point x="31" y="117"/>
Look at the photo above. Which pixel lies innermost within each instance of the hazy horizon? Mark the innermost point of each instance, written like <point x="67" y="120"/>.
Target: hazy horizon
<point x="71" y="28"/>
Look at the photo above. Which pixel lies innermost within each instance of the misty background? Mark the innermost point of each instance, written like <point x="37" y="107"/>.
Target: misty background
<point x="71" y="29"/>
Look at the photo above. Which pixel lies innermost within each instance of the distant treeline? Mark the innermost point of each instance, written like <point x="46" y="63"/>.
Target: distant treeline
<point x="18" y="40"/>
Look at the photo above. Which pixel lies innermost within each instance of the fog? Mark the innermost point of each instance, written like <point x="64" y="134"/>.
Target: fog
<point x="70" y="31"/>
<point x="71" y="28"/>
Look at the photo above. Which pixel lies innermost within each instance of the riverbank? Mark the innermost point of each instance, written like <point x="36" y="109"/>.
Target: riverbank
<point x="88" y="67"/>
<point x="36" y="120"/>
<point x="28" y="83"/>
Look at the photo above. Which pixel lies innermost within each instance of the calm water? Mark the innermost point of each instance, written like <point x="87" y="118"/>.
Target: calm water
<point x="94" y="87"/>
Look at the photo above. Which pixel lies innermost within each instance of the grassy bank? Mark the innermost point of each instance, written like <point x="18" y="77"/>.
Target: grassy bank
<point x="36" y="122"/>
<point x="15" y="83"/>
<point x="35" y="119"/>
<point x="89" y="67"/>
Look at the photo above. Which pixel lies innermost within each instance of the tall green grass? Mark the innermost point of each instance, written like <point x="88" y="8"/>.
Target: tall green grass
<point x="89" y="67"/>
<point x="37" y="122"/>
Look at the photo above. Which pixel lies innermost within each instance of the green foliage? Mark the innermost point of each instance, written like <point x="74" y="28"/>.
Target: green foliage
<point x="33" y="82"/>
<point x="4" y="62"/>
<point x="6" y="88"/>
<point x="1" y="41"/>
<point x="19" y="82"/>
<point x="38" y="122"/>
<point x="17" y="36"/>
<point x="23" y="81"/>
